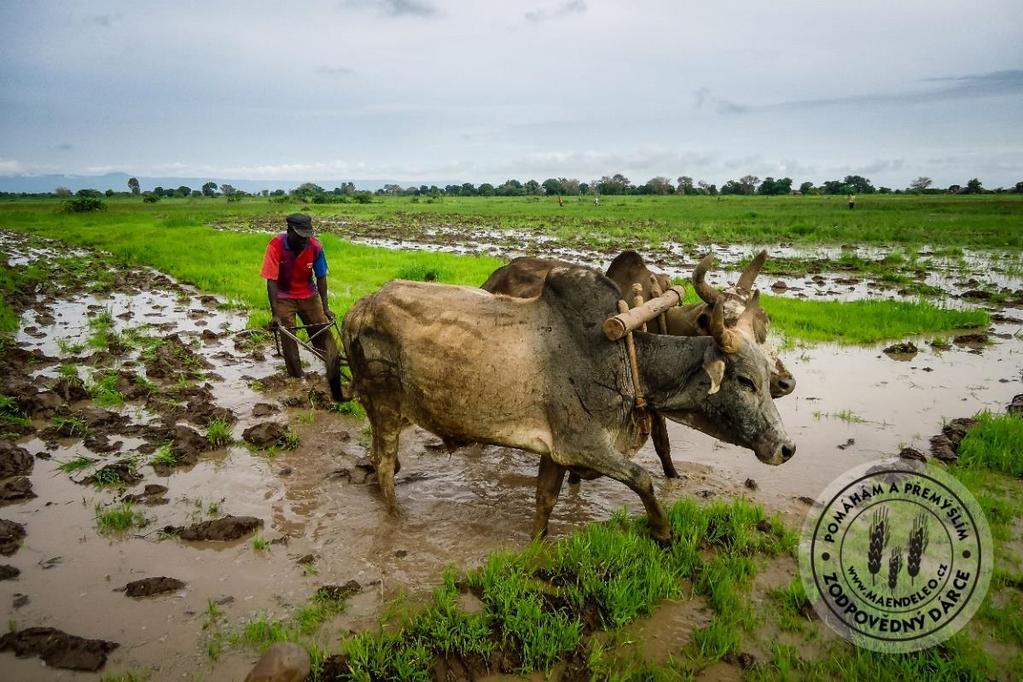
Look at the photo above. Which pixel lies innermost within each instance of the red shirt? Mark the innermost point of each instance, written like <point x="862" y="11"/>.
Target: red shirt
<point x="295" y="272"/>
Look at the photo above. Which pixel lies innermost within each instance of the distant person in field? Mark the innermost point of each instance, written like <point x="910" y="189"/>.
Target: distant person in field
<point x="295" y="271"/>
<point x="852" y="201"/>
<point x="561" y="202"/>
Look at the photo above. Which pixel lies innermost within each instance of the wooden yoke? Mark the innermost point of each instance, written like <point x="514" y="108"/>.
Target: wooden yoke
<point x="642" y="415"/>
<point x="655" y="289"/>
<point x="637" y="300"/>
<point x="628" y="320"/>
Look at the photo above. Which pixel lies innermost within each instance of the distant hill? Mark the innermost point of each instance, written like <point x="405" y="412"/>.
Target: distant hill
<point x="119" y="183"/>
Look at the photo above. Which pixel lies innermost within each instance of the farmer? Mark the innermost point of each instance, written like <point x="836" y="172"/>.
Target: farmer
<point x="295" y="271"/>
<point x="852" y="201"/>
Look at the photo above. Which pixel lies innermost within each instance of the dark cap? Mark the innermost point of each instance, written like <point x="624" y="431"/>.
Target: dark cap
<point x="301" y="223"/>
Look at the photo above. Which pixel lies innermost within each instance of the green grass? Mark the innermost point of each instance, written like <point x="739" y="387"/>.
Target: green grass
<point x="76" y="464"/>
<point x="101" y="331"/>
<point x="72" y="426"/>
<point x="862" y="322"/>
<point x="118" y="518"/>
<point x="996" y="443"/>
<point x="11" y="414"/>
<point x="163" y="237"/>
<point x="260" y="544"/>
<point x="164" y="456"/>
<point x="102" y="386"/>
<point x="218" y="433"/>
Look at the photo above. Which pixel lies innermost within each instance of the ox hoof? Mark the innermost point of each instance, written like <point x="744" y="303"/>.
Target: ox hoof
<point x="665" y="542"/>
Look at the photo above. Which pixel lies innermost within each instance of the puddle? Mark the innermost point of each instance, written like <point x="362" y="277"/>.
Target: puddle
<point x="456" y="508"/>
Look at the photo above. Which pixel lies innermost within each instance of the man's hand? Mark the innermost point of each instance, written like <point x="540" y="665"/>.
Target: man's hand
<point x="277" y="323"/>
<point x="328" y="313"/>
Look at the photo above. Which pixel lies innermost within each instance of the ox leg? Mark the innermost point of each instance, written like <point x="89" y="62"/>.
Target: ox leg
<point x="386" y="425"/>
<point x="574" y="478"/>
<point x="548" y="487"/>
<point x="637" y="478"/>
<point x="659" y="433"/>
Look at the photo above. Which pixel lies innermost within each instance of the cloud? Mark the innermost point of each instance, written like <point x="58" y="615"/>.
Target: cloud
<point x="394" y="8"/>
<point x="993" y="84"/>
<point x="707" y="99"/>
<point x="10" y="167"/>
<point x="335" y="71"/>
<point x="65" y="146"/>
<point x="563" y="10"/>
<point x="104" y="20"/>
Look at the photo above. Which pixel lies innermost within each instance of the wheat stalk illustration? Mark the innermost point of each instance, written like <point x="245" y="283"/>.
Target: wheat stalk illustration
<point x="918" y="541"/>
<point x="879" y="533"/>
<point x="894" y="566"/>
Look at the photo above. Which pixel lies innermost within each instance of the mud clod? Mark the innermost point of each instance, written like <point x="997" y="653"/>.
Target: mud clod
<point x="339" y="592"/>
<point x="218" y="530"/>
<point x="14" y="489"/>
<point x="58" y="649"/>
<point x="1016" y="406"/>
<point x="11" y="535"/>
<point x="149" y="586"/>
<point x="8" y="572"/>
<point x="912" y="453"/>
<point x="122" y="471"/>
<point x="904" y="348"/>
<point x="265" y="434"/>
<point x="14" y="461"/>
<point x="152" y="494"/>
<point x="751" y="484"/>
<point x="264" y="410"/>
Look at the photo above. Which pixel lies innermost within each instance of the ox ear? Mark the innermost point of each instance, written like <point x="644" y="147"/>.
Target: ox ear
<point x="715" y="368"/>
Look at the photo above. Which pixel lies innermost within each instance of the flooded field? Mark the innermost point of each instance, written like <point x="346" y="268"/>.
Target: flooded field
<point x="180" y="360"/>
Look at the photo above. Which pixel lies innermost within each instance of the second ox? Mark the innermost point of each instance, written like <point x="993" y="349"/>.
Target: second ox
<point x="538" y="374"/>
<point x="524" y="277"/>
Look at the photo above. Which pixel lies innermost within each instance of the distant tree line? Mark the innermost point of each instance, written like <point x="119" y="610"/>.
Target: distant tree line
<point x="612" y="185"/>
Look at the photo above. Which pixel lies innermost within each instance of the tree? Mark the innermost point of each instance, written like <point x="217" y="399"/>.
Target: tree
<point x="227" y="190"/>
<point x="63" y="192"/>
<point x="486" y="190"/>
<point x="835" y="187"/>
<point x="569" y="186"/>
<point x="920" y="184"/>
<point x="552" y="187"/>
<point x="770" y="186"/>
<point x="209" y="189"/>
<point x="661" y="185"/>
<point x="584" y="188"/>
<point x="184" y="191"/>
<point x="133" y="185"/>
<point x="707" y="188"/>
<point x="858" y="184"/>
<point x="532" y="187"/>
<point x="109" y="193"/>
<point x="955" y="189"/>
<point x="1018" y="188"/>
<point x="510" y="188"/>
<point x="732" y="187"/>
<point x="806" y="187"/>
<point x="615" y="184"/>
<point x="685" y="184"/>
<point x="748" y="183"/>
<point x="468" y="189"/>
<point x="974" y="187"/>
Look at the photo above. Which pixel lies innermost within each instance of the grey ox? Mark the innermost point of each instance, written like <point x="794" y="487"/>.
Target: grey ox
<point x="524" y="277"/>
<point x="539" y="374"/>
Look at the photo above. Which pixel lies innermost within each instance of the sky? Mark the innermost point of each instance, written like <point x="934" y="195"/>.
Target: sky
<point x="485" y="91"/>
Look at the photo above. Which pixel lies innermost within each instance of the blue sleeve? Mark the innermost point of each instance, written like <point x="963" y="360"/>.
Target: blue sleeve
<point x="320" y="265"/>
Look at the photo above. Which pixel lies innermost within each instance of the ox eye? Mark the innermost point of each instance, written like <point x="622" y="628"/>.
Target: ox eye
<point x="747" y="383"/>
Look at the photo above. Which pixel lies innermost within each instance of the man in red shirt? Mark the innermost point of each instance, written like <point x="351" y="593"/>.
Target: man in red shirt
<point x="295" y="271"/>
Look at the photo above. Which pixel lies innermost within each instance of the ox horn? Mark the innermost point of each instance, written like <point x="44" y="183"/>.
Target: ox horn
<point x="750" y="312"/>
<point x="729" y="340"/>
<point x="708" y="293"/>
<point x="749" y="275"/>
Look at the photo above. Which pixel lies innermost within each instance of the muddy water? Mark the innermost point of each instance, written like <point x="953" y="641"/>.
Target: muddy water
<point x="456" y="508"/>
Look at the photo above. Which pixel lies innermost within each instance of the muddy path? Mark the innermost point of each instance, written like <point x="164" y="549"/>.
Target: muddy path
<point x="181" y="359"/>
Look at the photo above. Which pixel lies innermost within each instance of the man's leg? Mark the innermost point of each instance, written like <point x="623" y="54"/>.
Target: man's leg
<point x="286" y="308"/>
<point x="311" y="312"/>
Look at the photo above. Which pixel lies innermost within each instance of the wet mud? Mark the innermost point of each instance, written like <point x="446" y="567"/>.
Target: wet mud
<point x="311" y="495"/>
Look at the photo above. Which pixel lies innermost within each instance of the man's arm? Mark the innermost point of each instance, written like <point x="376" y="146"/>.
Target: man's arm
<point x="321" y="287"/>
<point x="271" y="293"/>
